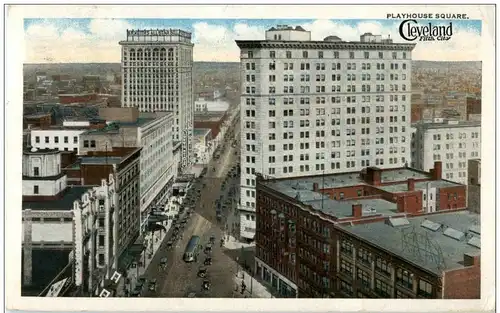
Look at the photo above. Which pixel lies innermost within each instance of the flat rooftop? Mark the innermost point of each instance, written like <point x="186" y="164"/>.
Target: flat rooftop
<point x="434" y="242"/>
<point x="65" y="203"/>
<point x="446" y="124"/>
<point x="114" y="126"/>
<point x="419" y="185"/>
<point x="100" y="160"/>
<point x="201" y="131"/>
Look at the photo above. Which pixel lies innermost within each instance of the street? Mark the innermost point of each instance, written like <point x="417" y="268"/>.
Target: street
<point x="179" y="279"/>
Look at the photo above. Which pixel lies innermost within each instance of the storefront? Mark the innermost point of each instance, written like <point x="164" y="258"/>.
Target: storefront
<point x="282" y="287"/>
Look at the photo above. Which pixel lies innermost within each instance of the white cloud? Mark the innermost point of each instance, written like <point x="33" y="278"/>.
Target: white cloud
<point x="45" y="42"/>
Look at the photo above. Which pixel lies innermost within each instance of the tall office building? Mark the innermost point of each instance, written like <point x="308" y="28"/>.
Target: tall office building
<point x="157" y="75"/>
<point x="312" y="107"/>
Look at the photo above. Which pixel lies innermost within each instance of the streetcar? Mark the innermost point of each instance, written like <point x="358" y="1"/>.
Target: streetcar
<point x="192" y="249"/>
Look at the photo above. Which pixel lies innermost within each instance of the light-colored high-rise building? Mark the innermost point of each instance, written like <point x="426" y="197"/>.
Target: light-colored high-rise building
<point x="157" y="75"/>
<point x="311" y="107"/>
<point x="449" y="141"/>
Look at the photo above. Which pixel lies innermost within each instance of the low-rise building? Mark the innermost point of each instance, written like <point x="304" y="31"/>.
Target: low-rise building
<point x="452" y="142"/>
<point x="202" y="105"/>
<point x="52" y="220"/>
<point x="474" y="186"/>
<point x="63" y="138"/>
<point x="212" y="120"/>
<point x="296" y="217"/>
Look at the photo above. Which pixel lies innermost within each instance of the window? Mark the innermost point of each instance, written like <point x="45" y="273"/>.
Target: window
<point x="47" y="139"/>
<point x="345" y="267"/>
<point x="272" y="54"/>
<point x="364" y="278"/>
<point x="66" y="139"/>
<point x="364" y="256"/>
<point x="75" y="139"/>
<point x="346" y="247"/>
<point x="92" y="143"/>
<point x="56" y="139"/>
<point x="37" y="139"/>
<point x="289" y="54"/>
<point x="36" y="190"/>
<point x="85" y="143"/>
<point x="382" y="288"/>
<point x="404" y="278"/>
<point x="250" y="54"/>
<point x="36" y="171"/>
<point x="346" y="287"/>
<point x="382" y="266"/>
<point x="424" y="288"/>
<point x="305" y="54"/>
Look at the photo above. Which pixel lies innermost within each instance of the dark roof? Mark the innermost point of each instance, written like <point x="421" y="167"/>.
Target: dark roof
<point x="71" y="194"/>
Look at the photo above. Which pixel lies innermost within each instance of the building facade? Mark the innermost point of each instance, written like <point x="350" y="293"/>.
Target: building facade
<point x="157" y="69"/>
<point x="303" y="223"/>
<point x="452" y="142"/>
<point x="124" y="166"/>
<point x="474" y="186"/>
<point x="93" y="224"/>
<point x="152" y="132"/>
<point x="352" y="99"/>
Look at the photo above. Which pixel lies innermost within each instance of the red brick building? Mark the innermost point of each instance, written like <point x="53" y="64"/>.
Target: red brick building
<point x="43" y="120"/>
<point x="77" y="98"/>
<point x="211" y="120"/>
<point x="301" y="222"/>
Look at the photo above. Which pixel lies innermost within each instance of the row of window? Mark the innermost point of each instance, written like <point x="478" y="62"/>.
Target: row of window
<point x="319" y="54"/>
<point x="56" y="139"/>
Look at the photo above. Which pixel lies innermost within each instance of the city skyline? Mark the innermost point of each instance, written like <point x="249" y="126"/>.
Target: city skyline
<point x="73" y="40"/>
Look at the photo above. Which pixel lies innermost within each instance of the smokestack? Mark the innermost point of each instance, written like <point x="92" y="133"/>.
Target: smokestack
<point x="373" y="176"/>
<point x="315" y="187"/>
<point x="438" y="170"/>
<point x="411" y="184"/>
<point x="357" y="210"/>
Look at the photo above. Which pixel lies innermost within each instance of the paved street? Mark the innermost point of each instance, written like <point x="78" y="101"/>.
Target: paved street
<point x="179" y="279"/>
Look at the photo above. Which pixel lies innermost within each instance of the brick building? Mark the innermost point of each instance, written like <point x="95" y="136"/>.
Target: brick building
<point x="41" y="120"/>
<point x="77" y="98"/>
<point x="297" y="218"/>
<point x="473" y="106"/>
<point x="212" y="120"/>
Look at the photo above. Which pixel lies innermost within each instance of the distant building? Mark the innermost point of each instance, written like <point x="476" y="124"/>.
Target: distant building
<point x="37" y="120"/>
<point x="202" y="105"/>
<point x="77" y="98"/>
<point x="473" y="106"/>
<point x="164" y="59"/>
<point x="151" y="131"/>
<point x="123" y="165"/>
<point x="452" y="142"/>
<point x="345" y="223"/>
<point x="474" y="186"/>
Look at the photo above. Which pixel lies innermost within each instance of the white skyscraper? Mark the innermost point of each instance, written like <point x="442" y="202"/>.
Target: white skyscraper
<point x="312" y="107"/>
<point x="157" y="75"/>
<point x="452" y="142"/>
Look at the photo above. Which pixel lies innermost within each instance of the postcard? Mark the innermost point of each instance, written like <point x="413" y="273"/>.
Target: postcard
<point x="261" y="157"/>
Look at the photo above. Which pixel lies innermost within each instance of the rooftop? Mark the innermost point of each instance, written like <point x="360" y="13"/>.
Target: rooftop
<point x="114" y="126"/>
<point x="70" y="195"/>
<point x="446" y="124"/>
<point x="201" y="131"/>
<point x="434" y="242"/>
<point x="100" y="160"/>
<point x="419" y="185"/>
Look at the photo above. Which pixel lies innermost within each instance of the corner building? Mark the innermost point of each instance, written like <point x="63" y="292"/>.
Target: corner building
<point x="312" y="107"/>
<point x="157" y="75"/>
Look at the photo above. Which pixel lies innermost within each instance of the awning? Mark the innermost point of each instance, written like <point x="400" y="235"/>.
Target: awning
<point x="157" y="218"/>
<point x="155" y="227"/>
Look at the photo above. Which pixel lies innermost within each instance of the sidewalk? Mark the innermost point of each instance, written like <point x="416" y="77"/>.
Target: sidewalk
<point x="254" y="289"/>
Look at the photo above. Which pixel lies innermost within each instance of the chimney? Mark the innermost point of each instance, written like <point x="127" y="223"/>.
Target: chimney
<point x="411" y="184"/>
<point x="373" y="176"/>
<point x="315" y="187"/>
<point x="471" y="260"/>
<point x="438" y="170"/>
<point x="357" y="210"/>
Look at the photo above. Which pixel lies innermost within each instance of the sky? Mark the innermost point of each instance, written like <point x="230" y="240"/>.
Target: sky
<point x="77" y="40"/>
